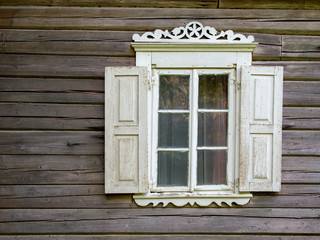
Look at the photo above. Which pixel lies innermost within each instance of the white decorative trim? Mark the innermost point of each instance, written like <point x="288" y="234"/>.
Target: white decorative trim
<point x="180" y="200"/>
<point x="193" y="32"/>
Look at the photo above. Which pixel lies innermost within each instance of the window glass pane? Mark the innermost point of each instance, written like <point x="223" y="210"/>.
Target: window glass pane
<point x="211" y="167"/>
<point x="212" y="129"/>
<point x="174" y="92"/>
<point x="172" y="168"/>
<point x="173" y="130"/>
<point x="213" y="91"/>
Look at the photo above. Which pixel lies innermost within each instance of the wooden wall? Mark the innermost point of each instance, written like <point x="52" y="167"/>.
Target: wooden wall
<point x="52" y="59"/>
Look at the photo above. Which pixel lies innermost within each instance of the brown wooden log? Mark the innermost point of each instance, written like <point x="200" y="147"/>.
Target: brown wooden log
<point x="205" y="220"/>
<point x="93" y="66"/>
<point x="282" y="4"/>
<point x="79" y="42"/>
<point x="115" y="3"/>
<point x="59" y="66"/>
<point x="51" y="142"/>
<point x="301" y="118"/>
<point x="38" y="110"/>
<point x="302" y="93"/>
<point x="160" y="13"/>
<point x="128" y="24"/>
<point x="300" y="46"/>
<point x="92" y="196"/>
<point x="159" y="237"/>
<point x="301" y="142"/>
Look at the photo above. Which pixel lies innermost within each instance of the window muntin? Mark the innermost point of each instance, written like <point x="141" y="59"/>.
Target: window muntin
<point x="198" y="161"/>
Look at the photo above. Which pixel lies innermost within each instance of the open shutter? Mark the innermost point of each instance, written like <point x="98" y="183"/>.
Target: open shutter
<point x="260" y="128"/>
<point x="126" y="144"/>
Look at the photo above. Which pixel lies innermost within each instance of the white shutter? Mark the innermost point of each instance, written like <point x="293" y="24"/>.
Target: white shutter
<point x="126" y="144"/>
<point x="260" y="128"/>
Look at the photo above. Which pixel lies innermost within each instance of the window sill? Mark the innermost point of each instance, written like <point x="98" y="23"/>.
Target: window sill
<point x="201" y="199"/>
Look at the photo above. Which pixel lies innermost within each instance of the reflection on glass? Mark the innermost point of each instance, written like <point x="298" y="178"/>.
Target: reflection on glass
<point x="212" y="129"/>
<point x="213" y="91"/>
<point x="172" y="168"/>
<point x="211" y="168"/>
<point x="174" y="92"/>
<point x="173" y="130"/>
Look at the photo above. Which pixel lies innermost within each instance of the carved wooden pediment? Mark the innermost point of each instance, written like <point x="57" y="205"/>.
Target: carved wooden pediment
<point x="193" y="32"/>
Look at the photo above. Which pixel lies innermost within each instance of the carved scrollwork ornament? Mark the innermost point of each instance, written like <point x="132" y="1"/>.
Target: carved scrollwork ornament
<point x="193" y="32"/>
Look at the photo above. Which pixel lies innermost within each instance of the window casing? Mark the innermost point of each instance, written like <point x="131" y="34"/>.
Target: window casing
<point x="252" y="140"/>
<point x="189" y="142"/>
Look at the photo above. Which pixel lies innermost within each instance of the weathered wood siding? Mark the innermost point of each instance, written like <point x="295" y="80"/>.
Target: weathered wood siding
<point x="52" y="60"/>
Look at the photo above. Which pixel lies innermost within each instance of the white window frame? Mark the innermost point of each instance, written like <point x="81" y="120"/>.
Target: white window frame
<point x="193" y="130"/>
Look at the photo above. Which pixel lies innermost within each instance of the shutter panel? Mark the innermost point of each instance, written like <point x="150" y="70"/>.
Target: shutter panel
<point x="126" y="142"/>
<point x="260" y="128"/>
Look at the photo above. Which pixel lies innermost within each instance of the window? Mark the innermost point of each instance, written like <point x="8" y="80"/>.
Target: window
<point x="194" y="122"/>
<point x="193" y="130"/>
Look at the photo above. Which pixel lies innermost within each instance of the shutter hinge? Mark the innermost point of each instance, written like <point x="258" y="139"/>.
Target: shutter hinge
<point x="150" y="82"/>
<point x="236" y="183"/>
<point x="237" y="84"/>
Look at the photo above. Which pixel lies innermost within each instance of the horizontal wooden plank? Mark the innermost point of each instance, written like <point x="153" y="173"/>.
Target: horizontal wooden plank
<point x="301" y="118"/>
<point x="300" y="46"/>
<point x="301" y="142"/>
<point x="296" y="70"/>
<point x="51" y="142"/>
<point x="43" y="123"/>
<point x="303" y="164"/>
<point x="100" y="43"/>
<point x="93" y="66"/>
<point x="138" y="24"/>
<point x="92" y="196"/>
<point x="38" y="110"/>
<point x="115" y="3"/>
<point x="159" y="237"/>
<point x="145" y="13"/>
<point x="59" y="66"/>
<point x="301" y="93"/>
<point x="51" y="85"/>
<point x="282" y="4"/>
<point x="148" y="220"/>
<point x="91" y="142"/>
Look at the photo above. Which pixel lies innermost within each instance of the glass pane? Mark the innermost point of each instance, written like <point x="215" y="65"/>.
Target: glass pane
<point x="212" y="129"/>
<point x="172" y="168"/>
<point x="174" y="92"/>
<point x="213" y="91"/>
<point x="212" y="167"/>
<point x="173" y="130"/>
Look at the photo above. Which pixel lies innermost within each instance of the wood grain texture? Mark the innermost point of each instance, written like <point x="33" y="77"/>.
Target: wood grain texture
<point x="20" y="65"/>
<point x="159" y="237"/>
<point x="115" y="3"/>
<point x="160" y="13"/>
<point x="300" y="46"/>
<point x="51" y="142"/>
<point x="301" y="142"/>
<point x="301" y="118"/>
<point x="219" y="220"/>
<point x="139" y="24"/>
<point x="59" y="66"/>
<point x="42" y="169"/>
<point x="277" y="4"/>
<point x="52" y="60"/>
<point x="92" y="196"/>
<point x="101" y="43"/>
